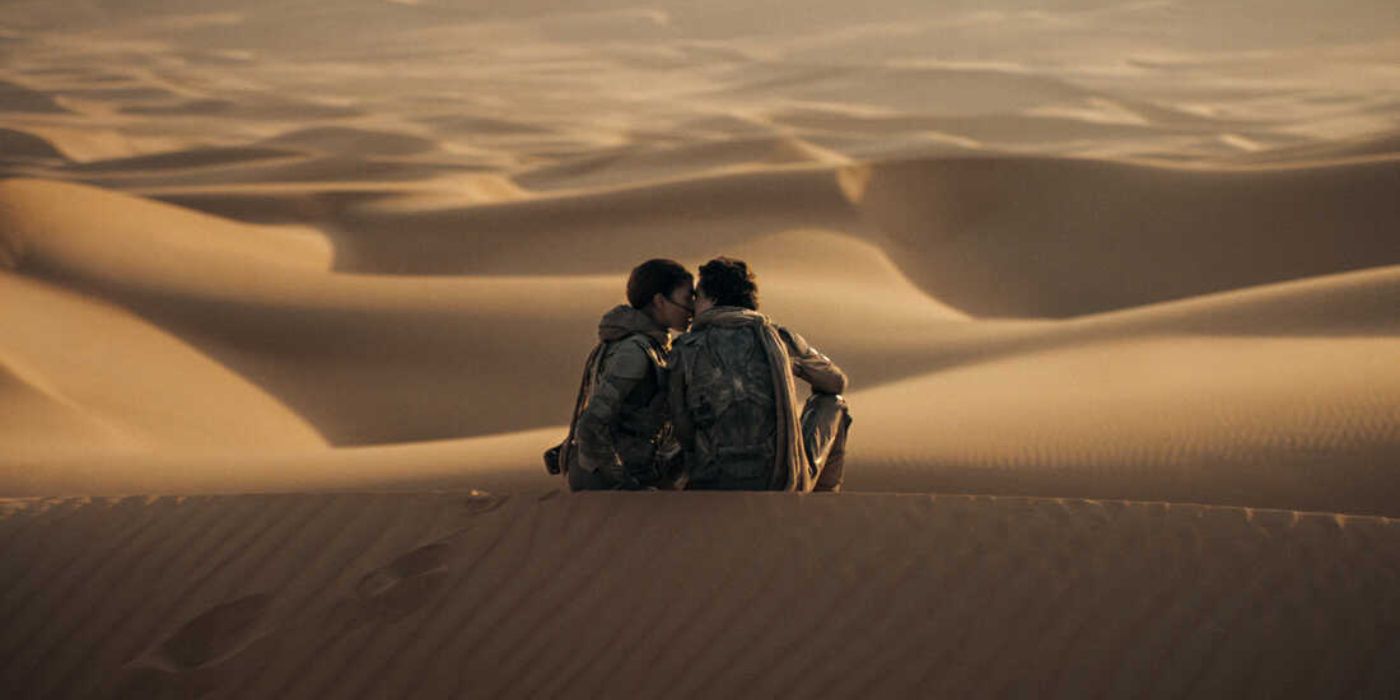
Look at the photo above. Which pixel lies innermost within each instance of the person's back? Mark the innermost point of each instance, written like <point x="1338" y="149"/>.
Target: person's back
<point x="733" y="398"/>
<point x="730" y="400"/>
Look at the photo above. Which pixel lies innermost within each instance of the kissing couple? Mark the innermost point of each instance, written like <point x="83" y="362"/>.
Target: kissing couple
<point x="717" y="409"/>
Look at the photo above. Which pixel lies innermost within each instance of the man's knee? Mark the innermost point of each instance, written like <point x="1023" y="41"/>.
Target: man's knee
<point x="831" y="461"/>
<point x="825" y="420"/>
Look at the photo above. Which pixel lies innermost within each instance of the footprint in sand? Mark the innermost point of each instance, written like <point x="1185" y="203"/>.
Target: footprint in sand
<point x="406" y="583"/>
<point x="217" y="634"/>
<point x="481" y="502"/>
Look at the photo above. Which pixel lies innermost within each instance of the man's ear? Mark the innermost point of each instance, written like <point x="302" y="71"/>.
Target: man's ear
<point x="658" y="300"/>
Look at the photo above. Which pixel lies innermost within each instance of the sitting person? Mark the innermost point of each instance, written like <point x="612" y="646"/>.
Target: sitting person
<point x="734" y="401"/>
<point x="621" y="434"/>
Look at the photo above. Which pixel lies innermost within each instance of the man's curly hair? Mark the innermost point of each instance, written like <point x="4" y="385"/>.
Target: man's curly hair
<point x="728" y="282"/>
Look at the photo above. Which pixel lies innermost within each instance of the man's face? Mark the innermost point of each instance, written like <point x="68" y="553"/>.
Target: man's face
<point x="677" y="307"/>
<point x="702" y="302"/>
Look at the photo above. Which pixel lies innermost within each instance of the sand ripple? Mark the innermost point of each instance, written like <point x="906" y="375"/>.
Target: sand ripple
<point x="691" y="595"/>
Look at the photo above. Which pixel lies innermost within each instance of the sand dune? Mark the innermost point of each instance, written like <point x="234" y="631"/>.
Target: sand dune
<point x="758" y="595"/>
<point x="1051" y="237"/>
<point x="1349" y="305"/>
<point x="18" y="98"/>
<point x="498" y="462"/>
<point x="908" y="89"/>
<point x="590" y="232"/>
<point x="80" y="142"/>
<point x="985" y="130"/>
<point x="1344" y="304"/>
<point x="206" y="185"/>
<point x="350" y="140"/>
<point x="1058" y="414"/>
<point x="126" y="240"/>
<point x="1218" y="421"/>
<point x="410" y="342"/>
<point x="1091" y="235"/>
<point x="136" y="389"/>
<point x="1370" y="146"/>
<point x="377" y="359"/>
<point x="1195" y="234"/>
<point x="478" y="126"/>
<point x="639" y="164"/>
<point x="183" y="160"/>
<point x="19" y="145"/>
<point x="251" y="107"/>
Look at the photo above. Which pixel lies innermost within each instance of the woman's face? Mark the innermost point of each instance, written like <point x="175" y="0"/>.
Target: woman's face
<point x="676" y="308"/>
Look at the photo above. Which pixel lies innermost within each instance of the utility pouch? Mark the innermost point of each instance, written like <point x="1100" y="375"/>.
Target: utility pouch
<point x="551" y="459"/>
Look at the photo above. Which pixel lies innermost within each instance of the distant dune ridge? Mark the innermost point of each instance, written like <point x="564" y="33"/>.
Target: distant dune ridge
<point x="1117" y="284"/>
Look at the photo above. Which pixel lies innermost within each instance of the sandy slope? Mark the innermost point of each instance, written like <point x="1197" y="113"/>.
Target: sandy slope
<point x="1219" y="420"/>
<point x="1196" y="399"/>
<point x="689" y="595"/>
<point x="315" y="338"/>
<point x="1060" y="237"/>
<point x="87" y="376"/>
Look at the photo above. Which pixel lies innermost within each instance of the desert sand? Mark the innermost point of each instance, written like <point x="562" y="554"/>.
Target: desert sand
<point x="682" y="595"/>
<point x="293" y="295"/>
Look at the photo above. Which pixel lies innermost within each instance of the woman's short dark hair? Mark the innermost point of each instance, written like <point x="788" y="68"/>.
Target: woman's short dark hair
<point x="655" y="276"/>
<point x="728" y="282"/>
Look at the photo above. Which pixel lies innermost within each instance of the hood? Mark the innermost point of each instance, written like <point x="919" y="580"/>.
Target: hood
<point x="624" y="320"/>
<point x="727" y="316"/>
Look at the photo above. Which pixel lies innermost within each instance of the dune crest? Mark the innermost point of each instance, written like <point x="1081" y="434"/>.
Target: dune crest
<point x="139" y="389"/>
<point x="69" y="230"/>
<point x="889" y="596"/>
<point x="1303" y="423"/>
<point x="1053" y="237"/>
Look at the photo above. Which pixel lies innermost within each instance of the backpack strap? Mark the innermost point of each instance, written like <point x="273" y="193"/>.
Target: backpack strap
<point x="590" y="371"/>
<point x="654" y="353"/>
<point x="591" y="366"/>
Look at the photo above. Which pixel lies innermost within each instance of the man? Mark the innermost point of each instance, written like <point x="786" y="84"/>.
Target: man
<point x="734" y="401"/>
<point x="622" y="436"/>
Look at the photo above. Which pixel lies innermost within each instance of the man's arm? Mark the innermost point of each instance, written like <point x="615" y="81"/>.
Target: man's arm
<point x="623" y="367"/>
<point x="812" y="366"/>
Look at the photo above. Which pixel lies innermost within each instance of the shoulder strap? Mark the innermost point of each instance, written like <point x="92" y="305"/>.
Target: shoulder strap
<point x="590" y="368"/>
<point x="654" y="353"/>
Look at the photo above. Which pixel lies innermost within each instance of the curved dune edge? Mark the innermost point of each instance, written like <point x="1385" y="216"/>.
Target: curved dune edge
<point x="1292" y="422"/>
<point x="88" y="233"/>
<point x="387" y="358"/>
<point x="1062" y="237"/>
<point x="139" y="389"/>
<point x="17" y="144"/>
<point x="504" y="462"/>
<point x="1298" y="423"/>
<point x="691" y="595"/>
<point x="1126" y="404"/>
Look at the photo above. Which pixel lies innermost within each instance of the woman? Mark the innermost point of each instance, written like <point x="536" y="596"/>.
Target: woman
<point x="622" y="435"/>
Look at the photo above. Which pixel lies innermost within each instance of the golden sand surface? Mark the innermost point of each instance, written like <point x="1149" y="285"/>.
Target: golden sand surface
<point x="1133" y="268"/>
<point x="691" y="595"/>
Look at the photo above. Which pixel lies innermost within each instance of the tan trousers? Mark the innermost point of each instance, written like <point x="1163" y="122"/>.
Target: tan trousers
<point x="825" y="421"/>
